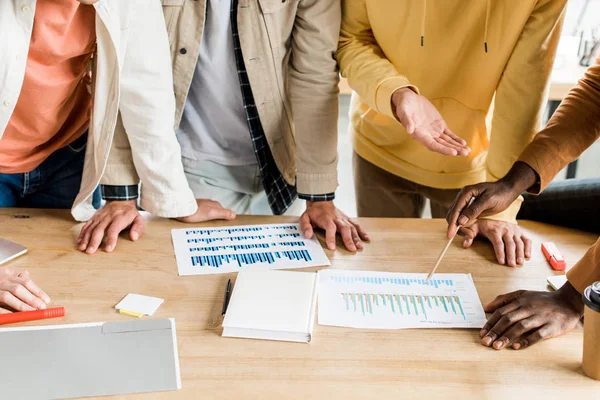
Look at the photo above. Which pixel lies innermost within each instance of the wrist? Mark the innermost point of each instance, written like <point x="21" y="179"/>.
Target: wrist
<point x="520" y="178"/>
<point x="569" y="295"/>
<point x="318" y="203"/>
<point x="398" y="97"/>
<point x="122" y="202"/>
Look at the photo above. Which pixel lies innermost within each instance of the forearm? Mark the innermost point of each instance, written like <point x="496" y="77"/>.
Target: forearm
<point x="574" y="127"/>
<point x="313" y="80"/>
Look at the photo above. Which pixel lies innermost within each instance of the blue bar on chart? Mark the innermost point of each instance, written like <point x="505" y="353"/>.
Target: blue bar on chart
<point x="231" y="230"/>
<point x="209" y="240"/>
<point x="247" y="246"/>
<point x="394" y="281"/>
<point x="218" y="260"/>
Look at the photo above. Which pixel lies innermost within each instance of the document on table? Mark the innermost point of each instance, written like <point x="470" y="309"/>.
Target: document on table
<point x="385" y="300"/>
<point x="234" y="248"/>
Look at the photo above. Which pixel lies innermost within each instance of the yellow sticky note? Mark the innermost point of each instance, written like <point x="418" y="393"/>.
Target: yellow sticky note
<point x="131" y="313"/>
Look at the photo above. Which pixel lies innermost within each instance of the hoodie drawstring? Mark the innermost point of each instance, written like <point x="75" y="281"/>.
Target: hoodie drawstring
<point x="423" y="23"/>
<point x="487" y="20"/>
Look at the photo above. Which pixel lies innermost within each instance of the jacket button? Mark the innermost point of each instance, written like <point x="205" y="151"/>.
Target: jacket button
<point x="183" y="50"/>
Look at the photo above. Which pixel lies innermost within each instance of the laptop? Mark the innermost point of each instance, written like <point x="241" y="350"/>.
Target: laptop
<point x="10" y="250"/>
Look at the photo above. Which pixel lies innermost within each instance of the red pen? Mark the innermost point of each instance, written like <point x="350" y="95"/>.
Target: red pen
<point x="23" y="316"/>
<point x="553" y="256"/>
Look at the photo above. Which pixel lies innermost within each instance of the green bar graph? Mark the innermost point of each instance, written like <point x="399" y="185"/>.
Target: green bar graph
<point x="402" y="305"/>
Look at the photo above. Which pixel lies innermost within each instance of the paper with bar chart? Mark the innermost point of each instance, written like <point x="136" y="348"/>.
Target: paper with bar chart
<point x="233" y="248"/>
<point x="385" y="300"/>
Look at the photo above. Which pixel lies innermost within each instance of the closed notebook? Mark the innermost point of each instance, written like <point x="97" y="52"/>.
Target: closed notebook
<point x="272" y="305"/>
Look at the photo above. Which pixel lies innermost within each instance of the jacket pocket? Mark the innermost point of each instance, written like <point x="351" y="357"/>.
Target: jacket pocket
<point x="273" y="6"/>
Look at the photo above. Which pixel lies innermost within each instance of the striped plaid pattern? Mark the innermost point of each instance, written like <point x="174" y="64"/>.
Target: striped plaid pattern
<point x="119" y="193"/>
<point x="280" y="194"/>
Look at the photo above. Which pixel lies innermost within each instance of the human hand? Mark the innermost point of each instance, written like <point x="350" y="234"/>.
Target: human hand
<point x="523" y="318"/>
<point x="18" y="292"/>
<point x="425" y="124"/>
<point x="324" y="215"/>
<point x="510" y="243"/>
<point x="110" y="220"/>
<point x="489" y="198"/>
<point x="208" y="210"/>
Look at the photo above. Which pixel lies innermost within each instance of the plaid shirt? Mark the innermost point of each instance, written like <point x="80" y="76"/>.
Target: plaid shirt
<point x="280" y="194"/>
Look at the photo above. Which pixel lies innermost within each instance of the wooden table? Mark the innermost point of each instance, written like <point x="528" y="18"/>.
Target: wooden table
<point x="339" y="363"/>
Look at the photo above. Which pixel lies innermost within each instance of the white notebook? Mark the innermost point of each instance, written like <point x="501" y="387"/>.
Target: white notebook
<point x="272" y="305"/>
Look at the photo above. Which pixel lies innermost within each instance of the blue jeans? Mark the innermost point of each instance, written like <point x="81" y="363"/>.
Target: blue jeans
<point x="572" y="203"/>
<point x="53" y="184"/>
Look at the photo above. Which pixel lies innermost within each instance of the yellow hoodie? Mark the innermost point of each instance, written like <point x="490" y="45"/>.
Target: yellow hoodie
<point x="458" y="54"/>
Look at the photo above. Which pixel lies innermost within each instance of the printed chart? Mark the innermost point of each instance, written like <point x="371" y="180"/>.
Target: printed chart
<point x="230" y="249"/>
<point x="383" y="300"/>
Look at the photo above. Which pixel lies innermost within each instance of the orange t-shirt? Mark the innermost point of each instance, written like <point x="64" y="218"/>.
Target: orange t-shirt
<point x="54" y="106"/>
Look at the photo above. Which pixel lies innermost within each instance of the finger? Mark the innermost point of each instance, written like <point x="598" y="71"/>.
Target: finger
<point x="4" y="311"/>
<point x="495" y="317"/>
<point x="528" y="244"/>
<point x="460" y="203"/>
<point x="330" y="231"/>
<point x="447" y="141"/>
<point x="545" y="332"/>
<point x="18" y="289"/>
<point x="498" y="245"/>
<point x="34" y="289"/>
<point x="137" y="227"/>
<point x="9" y="300"/>
<point x="510" y="249"/>
<point x="439" y="148"/>
<point x="219" y="212"/>
<point x="454" y="137"/>
<point x="506" y="321"/>
<point x="305" y="226"/>
<point x="355" y="236"/>
<point x="460" y="146"/>
<point x="503" y="300"/>
<point x="96" y="237"/>
<point x="479" y="208"/>
<point x="469" y="236"/>
<point x="518" y="330"/>
<point x="84" y="230"/>
<point x="520" y="250"/>
<point x="346" y="234"/>
<point x="361" y="232"/>
<point x="118" y="225"/>
<point x="87" y="236"/>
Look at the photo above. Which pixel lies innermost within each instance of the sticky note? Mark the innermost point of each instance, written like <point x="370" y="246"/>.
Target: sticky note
<point x="134" y="304"/>
<point x="131" y="313"/>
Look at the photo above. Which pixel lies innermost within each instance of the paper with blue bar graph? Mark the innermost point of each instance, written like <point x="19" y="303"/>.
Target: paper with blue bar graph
<point x="234" y="248"/>
<point x="385" y="300"/>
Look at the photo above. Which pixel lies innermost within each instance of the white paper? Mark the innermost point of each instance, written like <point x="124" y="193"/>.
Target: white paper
<point x="235" y="248"/>
<point x="385" y="300"/>
<point x="557" y="281"/>
<point x="139" y="304"/>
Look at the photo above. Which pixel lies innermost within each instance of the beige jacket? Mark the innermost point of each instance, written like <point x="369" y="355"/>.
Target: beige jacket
<point x="288" y="48"/>
<point x="132" y="81"/>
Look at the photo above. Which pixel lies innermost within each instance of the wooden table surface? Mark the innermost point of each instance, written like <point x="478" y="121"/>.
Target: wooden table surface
<point x="340" y="362"/>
